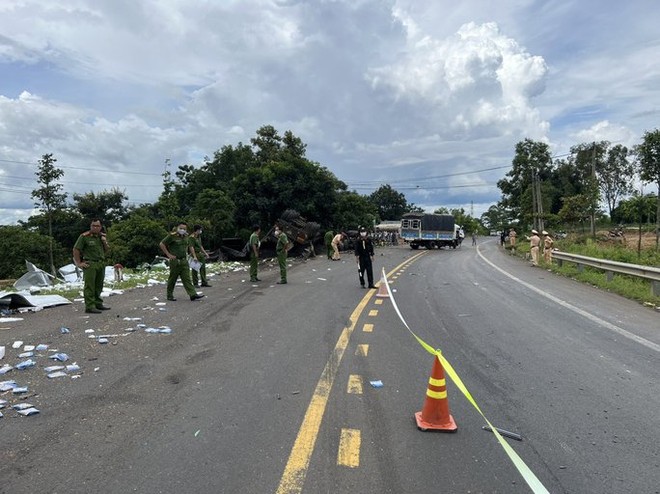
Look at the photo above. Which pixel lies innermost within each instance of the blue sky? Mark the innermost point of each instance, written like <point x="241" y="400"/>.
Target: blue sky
<point x="430" y="97"/>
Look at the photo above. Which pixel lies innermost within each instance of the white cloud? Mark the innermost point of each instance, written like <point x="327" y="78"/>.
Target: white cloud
<point x="382" y="91"/>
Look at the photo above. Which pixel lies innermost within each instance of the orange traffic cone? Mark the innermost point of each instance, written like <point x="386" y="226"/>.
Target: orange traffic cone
<point x="382" y="287"/>
<point x="435" y="414"/>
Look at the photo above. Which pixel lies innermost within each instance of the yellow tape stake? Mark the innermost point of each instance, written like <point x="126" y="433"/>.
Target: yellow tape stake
<point x="526" y="473"/>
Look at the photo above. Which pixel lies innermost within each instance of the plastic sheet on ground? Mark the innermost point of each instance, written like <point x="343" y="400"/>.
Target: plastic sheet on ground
<point x="16" y="300"/>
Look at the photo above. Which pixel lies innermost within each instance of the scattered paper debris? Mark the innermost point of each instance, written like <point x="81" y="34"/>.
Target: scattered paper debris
<point x="376" y="384"/>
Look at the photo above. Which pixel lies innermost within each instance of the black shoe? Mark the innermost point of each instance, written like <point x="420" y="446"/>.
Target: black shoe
<point x="197" y="296"/>
<point x="102" y="307"/>
<point x="92" y="311"/>
<point x="362" y="286"/>
<point x="206" y="285"/>
<point x="281" y="282"/>
<point x="253" y="281"/>
<point x="171" y="299"/>
<point x="371" y="286"/>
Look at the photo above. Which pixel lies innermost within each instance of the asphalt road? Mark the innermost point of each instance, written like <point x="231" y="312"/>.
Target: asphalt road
<point x="266" y="388"/>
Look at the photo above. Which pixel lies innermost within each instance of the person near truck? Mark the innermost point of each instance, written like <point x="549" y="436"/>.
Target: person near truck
<point x="89" y="255"/>
<point x="329" y="235"/>
<point x="254" y="243"/>
<point x="364" y="256"/>
<point x="282" y="247"/>
<point x="336" y="240"/>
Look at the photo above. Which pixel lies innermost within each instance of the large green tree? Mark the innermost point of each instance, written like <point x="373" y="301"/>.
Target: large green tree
<point x="108" y="206"/>
<point x="648" y="155"/>
<point x="48" y="196"/>
<point x="354" y="210"/>
<point x="135" y="240"/>
<point x="18" y="245"/>
<point x="390" y="204"/>
<point x="615" y="175"/>
<point x="525" y="185"/>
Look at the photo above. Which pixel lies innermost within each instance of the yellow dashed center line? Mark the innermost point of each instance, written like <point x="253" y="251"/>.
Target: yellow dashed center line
<point x="368" y="328"/>
<point x="349" y="448"/>
<point x="378" y="301"/>
<point x="362" y="350"/>
<point x="354" y="384"/>
<point x="373" y="313"/>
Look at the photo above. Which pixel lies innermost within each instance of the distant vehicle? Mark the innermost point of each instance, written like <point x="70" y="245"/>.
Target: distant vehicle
<point x="429" y="230"/>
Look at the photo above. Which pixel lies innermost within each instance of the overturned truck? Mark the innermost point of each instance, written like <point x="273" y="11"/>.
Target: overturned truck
<point x="301" y="233"/>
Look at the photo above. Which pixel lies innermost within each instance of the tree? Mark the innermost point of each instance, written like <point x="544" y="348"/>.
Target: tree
<point x="587" y="158"/>
<point x="522" y="190"/>
<point x="576" y="208"/>
<point x="108" y="206"/>
<point x="18" y="245"/>
<point x="135" y="240"/>
<point x="48" y="197"/>
<point x="353" y="210"/>
<point x="215" y="208"/>
<point x="648" y="154"/>
<point x="389" y="204"/>
<point x="615" y="175"/>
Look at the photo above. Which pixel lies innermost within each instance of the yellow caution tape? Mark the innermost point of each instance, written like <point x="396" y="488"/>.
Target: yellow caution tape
<point x="529" y="477"/>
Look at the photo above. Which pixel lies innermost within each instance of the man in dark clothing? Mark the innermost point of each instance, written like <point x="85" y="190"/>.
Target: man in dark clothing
<point x="364" y="256"/>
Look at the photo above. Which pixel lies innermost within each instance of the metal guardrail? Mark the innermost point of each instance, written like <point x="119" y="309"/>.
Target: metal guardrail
<point x="610" y="267"/>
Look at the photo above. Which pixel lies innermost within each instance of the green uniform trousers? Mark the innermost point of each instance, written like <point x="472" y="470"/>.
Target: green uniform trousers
<point x="202" y="272"/>
<point x="281" y="260"/>
<point x="254" y="263"/>
<point x="93" y="277"/>
<point x="180" y="268"/>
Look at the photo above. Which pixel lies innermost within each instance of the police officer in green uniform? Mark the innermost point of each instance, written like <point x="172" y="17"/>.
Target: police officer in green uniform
<point x="281" y="249"/>
<point x="176" y="246"/>
<point x="254" y="243"/>
<point x="89" y="255"/>
<point x="201" y="254"/>
<point x="329" y="235"/>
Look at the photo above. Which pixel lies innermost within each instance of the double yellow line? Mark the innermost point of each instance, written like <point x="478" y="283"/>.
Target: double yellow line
<point x="293" y="478"/>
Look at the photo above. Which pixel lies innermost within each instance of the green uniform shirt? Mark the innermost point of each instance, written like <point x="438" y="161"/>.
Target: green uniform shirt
<point x="177" y="245"/>
<point x="254" y="240"/>
<point x="196" y="245"/>
<point x="328" y="237"/>
<point x="282" y="242"/>
<point x="90" y="247"/>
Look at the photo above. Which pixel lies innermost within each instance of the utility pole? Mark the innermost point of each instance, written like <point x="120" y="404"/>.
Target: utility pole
<point x="534" y="203"/>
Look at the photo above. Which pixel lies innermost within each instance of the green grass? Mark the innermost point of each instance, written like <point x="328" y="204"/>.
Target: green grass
<point x="627" y="286"/>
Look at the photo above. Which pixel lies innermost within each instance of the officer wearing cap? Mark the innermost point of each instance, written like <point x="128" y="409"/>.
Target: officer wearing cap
<point x="534" y="242"/>
<point x="547" y="247"/>
<point x="364" y="256"/>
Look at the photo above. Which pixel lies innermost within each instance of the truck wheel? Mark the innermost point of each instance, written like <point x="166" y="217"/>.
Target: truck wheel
<point x="414" y="246"/>
<point x="430" y="245"/>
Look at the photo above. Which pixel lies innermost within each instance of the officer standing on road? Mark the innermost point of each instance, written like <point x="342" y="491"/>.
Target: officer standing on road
<point x="281" y="249"/>
<point x="512" y="238"/>
<point x="547" y="247"/>
<point x="534" y="242"/>
<point x="254" y="243"/>
<point x="364" y="256"/>
<point x="89" y="255"/>
<point x="176" y="246"/>
<point x="336" y="240"/>
<point x="200" y="252"/>
<point x="328" y="242"/>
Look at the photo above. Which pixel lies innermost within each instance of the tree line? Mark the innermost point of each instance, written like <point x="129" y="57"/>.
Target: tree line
<point x="241" y="185"/>
<point x="545" y="193"/>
